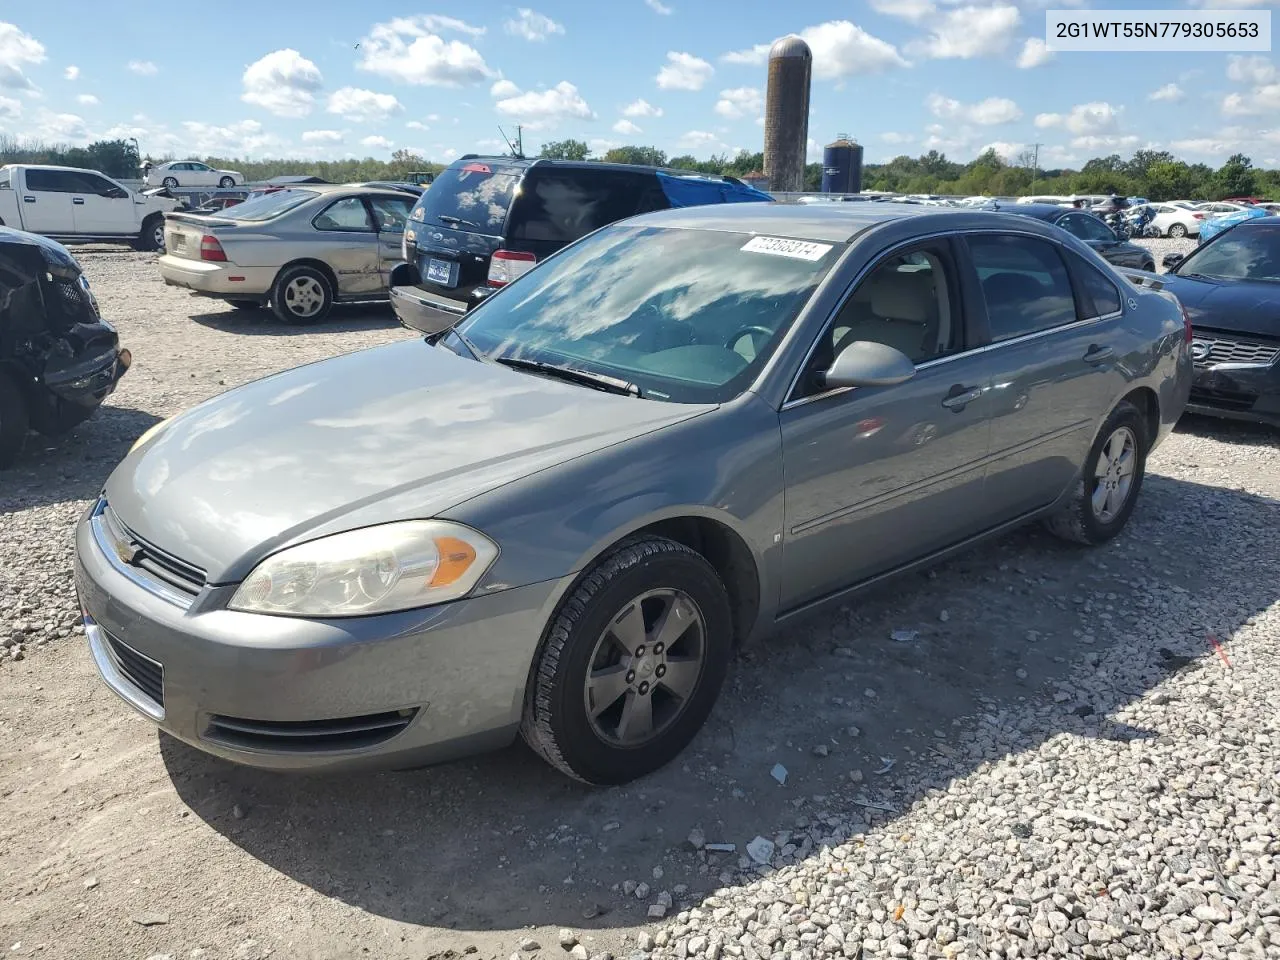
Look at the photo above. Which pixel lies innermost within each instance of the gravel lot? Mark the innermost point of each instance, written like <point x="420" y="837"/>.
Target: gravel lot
<point x="1030" y="751"/>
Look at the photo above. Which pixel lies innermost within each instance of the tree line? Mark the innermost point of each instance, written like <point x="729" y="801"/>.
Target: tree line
<point x="1155" y="174"/>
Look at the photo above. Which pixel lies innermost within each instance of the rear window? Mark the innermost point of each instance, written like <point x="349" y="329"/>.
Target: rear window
<point x="472" y="196"/>
<point x="562" y="205"/>
<point x="272" y="205"/>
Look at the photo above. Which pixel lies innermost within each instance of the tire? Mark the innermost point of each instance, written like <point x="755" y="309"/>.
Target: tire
<point x="152" y="235"/>
<point x="247" y="304"/>
<point x="14" y="420"/>
<point x="227" y="182"/>
<point x="1177" y="231"/>
<point x="1081" y="521"/>
<point x="169" y="182"/>
<point x="301" y="295"/>
<point x="646" y="577"/>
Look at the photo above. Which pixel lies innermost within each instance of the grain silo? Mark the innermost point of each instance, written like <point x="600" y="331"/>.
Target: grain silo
<point x="842" y="166"/>
<point x="786" y="114"/>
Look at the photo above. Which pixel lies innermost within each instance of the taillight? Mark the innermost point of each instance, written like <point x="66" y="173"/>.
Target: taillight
<point x="1186" y="323"/>
<point x="508" y="265"/>
<point x="211" y="249"/>
<point x="1199" y="216"/>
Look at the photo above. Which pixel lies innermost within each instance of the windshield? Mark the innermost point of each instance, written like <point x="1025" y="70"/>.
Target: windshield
<point x="470" y="196"/>
<point x="685" y="315"/>
<point x="272" y="205"/>
<point x="1243" y="253"/>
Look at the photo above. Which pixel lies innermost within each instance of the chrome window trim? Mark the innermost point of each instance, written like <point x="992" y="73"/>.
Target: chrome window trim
<point x="107" y="544"/>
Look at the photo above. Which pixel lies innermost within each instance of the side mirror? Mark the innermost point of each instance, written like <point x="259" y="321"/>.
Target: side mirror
<point x="865" y="363"/>
<point x="1171" y="260"/>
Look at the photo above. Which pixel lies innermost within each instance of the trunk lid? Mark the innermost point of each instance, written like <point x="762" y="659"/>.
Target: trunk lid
<point x="182" y="232"/>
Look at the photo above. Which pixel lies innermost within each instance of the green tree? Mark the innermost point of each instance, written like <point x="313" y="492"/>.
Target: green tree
<point x="1168" y="180"/>
<point x="1236" y="178"/>
<point x="648" y="156"/>
<point x="565" y="150"/>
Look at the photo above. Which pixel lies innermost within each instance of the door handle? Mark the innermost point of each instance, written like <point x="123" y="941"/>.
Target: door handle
<point x="960" y="397"/>
<point x="78" y="200"/>
<point x="28" y="199"/>
<point x="1096" y="354"/>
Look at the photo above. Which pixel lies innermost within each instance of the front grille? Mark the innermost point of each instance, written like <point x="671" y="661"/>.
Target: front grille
<point x="1227" y="348"/>
<point x="143" y="672"/>
<point x="150" y="559"/>
<point x="1223" y="399"/>
<point x="308" y="736"/>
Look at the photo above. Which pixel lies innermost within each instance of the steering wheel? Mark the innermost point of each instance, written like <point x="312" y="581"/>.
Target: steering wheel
<point x="751" y="331"/>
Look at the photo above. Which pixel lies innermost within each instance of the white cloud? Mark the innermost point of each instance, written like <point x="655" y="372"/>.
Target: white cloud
<point x="416" y="125"/>
<point x="538" y="109"/>
<point x="88" y="99"/>
<point x="912" y="11"/>
<point x="1003" y="148"/>
<point x="410" y="49"/>
<point x="893" y="137"/>
<point x="1170" y="92"/>
<point x="740" y="102"/>
<point x="1251" y="70"/>
<point x="626" y="128"/>
<point x="1034" y="53"/>
<point x="361" y="106"/>
<point x="684" y="71"/>
<point x="10" y="109"/>
<point x="376" y="143"/>
<point x="1097" y="117"/>
<point x="448" y="153"/>
<point x="968" y="32"/>
<point x="701" y="139"/>
<point x="143" y="68"/>
<point x="1263" y="99"/>
<point x="1106" y="143"/>
<point x="284" y="82"/>
<point x="244" y="137"/>
<point x="840" y="49"/>
<point x="657" y="6"/>
<point x="71" y="73"/>
<point x="17" y="50"/>
<point x="986" y="112"/>
<point x="322" y="136"/>
<point x="641" y="108"/>
<point x="533" y="26"/>
<point x="504" y="88"/>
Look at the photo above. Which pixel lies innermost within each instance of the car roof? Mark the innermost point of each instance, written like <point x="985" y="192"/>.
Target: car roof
<point x="1041" y="211"/>
<point x="830" y="222"/>
<point x="526" y="163"/>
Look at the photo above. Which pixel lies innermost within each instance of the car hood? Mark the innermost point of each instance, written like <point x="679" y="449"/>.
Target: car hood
<point x="1237" y="306"/>
<point x="401" y="431"/>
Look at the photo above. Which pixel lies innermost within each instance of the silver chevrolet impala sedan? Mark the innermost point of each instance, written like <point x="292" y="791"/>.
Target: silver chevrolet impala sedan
<point x="559" y="517"/>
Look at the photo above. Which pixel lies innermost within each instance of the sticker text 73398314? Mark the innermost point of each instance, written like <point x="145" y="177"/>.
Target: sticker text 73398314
<point x="783" y="247"/>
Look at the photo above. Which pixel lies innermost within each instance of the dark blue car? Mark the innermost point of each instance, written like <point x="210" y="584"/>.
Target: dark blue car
<point x="1230" y="286"/>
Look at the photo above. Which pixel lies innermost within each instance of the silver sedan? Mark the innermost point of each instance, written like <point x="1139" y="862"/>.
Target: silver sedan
<point x="300" y="250"/>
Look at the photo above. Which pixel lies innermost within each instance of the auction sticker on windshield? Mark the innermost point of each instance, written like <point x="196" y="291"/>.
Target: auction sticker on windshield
<point x="782" y="247"/>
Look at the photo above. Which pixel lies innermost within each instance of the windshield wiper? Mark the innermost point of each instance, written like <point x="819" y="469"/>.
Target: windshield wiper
<point x="598" y="381"/>
<point x="455" y="221"/>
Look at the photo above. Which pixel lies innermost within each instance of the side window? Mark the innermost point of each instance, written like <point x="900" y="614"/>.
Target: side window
<point x="562" y="205"/>
<point x="904" y="302"/>
<point x="1087" y="228"/>
<point x="348" y="214"/>
<point x="391" y="213"/>
<point x="5" y="180"/>
<point x="201" y="167"/>
<point x="51" y="181"/>
<point x="1025" y="284"/>
<point x="1097" y="287"/>
<point x="92" y="183"/>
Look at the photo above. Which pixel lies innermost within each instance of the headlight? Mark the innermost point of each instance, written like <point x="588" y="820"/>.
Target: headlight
<point x="418" y="213"/>
<point x="150" y="432"/>
<point x="395" y="566"/>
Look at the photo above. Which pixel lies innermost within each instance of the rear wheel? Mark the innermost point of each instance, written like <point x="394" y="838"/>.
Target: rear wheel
<point x="14" y="420"/>
<point x="1108" y="488"/>
<point x="170" y="182"/>
<point x="152" y="235"/>
<point x="227" y="182"/>
<point x="301" y="295"/>
<point x="631" y="665"/>
<point x="1177" y="231"/>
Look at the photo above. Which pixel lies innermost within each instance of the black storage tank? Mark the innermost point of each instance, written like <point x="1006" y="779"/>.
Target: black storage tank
<point x="842" y="167"/>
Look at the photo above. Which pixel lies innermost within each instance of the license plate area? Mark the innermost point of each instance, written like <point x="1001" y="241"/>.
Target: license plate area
<point x="179" y="242"/>
<point x="442" y="272"/>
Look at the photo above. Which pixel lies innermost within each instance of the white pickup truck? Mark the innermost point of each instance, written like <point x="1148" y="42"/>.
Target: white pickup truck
<point x="67" y="203"/>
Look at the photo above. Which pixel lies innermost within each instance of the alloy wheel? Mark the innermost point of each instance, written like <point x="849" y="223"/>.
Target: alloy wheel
<point x="645" y="667"/>
<point x="1113" y="475"/>
<point x="303" y="296"/>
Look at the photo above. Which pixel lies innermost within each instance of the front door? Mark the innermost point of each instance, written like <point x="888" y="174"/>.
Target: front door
<point x="46" y="202"/>
<point x="390" y="214"/>
<point x="351" y="246"/>
<point x="879" y="476"/>
<point x="1053" y="362"/>
<point x="103" y="208"/>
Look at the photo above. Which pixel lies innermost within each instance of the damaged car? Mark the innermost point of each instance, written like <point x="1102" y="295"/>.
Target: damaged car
<point x="58" y="358"/>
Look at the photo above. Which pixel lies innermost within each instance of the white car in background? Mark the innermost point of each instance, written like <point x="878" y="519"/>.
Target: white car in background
<point x="191" y="173"/>
<point x="1221" y="208"/>
<point x="1175" y="221"/>
<point x="1185" y="204"/>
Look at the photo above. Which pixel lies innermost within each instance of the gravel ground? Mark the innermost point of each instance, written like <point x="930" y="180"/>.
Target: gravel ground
<point x="1029" y="751"/>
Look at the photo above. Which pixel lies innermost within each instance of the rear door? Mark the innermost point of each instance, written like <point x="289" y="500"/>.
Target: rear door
<point x="347" y="240"/>
<point x="46" y="201"/>
<point x="390" y="214"/>
<point x="1053" y="355"/>
<point x="102" y="208"/>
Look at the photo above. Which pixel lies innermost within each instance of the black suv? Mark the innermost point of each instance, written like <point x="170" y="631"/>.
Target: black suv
<point x="487" y="220"/>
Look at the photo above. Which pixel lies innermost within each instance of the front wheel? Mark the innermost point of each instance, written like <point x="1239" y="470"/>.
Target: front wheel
<point x="631" y="665"/>
<point x="227" y="182"/>
<point x="301" y="295"/>
<point x="14" y="420"/>
<point x="152" y="235"/>
<point x="1177" y="231"/>
<point x="1108" y="487"/>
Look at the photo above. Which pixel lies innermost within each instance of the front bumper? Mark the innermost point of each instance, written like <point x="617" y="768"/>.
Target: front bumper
<point x="395" y="690"/>
<point x="1237" y="391"/>
<point x="88" y="382"/>
<point x="217" y="279"/>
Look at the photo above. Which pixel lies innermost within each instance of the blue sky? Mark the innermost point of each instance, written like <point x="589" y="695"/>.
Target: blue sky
<point x="294" y="78"/>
